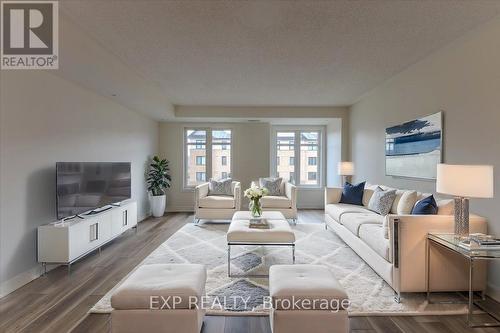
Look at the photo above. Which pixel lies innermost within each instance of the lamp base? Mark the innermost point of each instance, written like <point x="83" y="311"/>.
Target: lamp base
<point x="462" y="217"/>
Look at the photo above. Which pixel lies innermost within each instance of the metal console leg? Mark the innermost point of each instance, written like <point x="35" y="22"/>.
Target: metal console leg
<point x="229" y="260"/>
<point x="293" y="253"/>
<point x="397" y="297"/>
<point x="428" y="270"/>
<point x="471" y="291"/>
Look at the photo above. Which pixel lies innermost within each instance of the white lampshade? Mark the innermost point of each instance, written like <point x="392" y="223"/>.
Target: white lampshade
<point x="468" y="181"/>
<point x="345" y="168"/>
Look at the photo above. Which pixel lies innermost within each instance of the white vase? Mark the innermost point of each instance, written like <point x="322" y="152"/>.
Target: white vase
<point x="157" y="203"/>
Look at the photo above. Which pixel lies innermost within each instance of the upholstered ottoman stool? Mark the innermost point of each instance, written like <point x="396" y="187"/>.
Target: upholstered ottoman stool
<point x="307" y="298"/>
<point x="160" y="298"/>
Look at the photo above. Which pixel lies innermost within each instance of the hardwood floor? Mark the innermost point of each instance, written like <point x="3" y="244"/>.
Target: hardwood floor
<point x="59" y="302"/>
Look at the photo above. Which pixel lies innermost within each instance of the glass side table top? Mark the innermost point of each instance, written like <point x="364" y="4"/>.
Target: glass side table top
<point x="453" y="243"/>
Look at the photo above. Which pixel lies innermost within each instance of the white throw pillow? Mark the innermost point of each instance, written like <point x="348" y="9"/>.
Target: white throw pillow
<point x="367" y="193"/>
<point x="446" y="207"/>
<point x="406" y="202"/>
<point x="394" y="208"/>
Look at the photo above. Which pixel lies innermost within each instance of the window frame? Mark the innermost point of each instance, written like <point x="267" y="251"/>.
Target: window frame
<point x="208" y="152"/>
<point x="320" y="161"/>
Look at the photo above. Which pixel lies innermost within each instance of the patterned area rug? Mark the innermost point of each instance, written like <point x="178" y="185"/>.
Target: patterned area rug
<point x="206" y="244"/>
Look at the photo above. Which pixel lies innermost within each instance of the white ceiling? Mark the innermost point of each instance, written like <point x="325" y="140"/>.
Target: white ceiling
<point x="251" y="53"/>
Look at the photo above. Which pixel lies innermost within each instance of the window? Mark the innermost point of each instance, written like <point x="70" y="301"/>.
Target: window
<point x="200" y="160"/>
<point x="221" y="155"/>
<point x="309" y="148"/>
<point x="302" y="149"/>
<point x="285" y="142"/>
<point x="207" y="152"/>
<point x="196" y="143"/>
<point x="277" y="160"/>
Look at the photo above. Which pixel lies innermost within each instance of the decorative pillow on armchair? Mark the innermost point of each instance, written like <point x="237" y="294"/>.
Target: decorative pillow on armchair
<point x="353" y="194"/>
<point x="273" y="185"/>
<point x="381" y="201"/>
<point x="220" y="187"/>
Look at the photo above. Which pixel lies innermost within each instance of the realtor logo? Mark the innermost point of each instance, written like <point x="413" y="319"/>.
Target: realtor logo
<point x="29" y="33"/>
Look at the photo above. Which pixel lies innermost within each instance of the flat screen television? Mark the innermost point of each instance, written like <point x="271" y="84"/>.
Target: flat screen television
<point x="86" y="186"/>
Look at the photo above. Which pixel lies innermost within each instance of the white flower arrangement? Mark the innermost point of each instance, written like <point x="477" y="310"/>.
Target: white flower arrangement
<point x="255" y="192"/>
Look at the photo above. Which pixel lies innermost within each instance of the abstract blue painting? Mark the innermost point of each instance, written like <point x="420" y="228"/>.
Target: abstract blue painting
<point x="413" y="149"/>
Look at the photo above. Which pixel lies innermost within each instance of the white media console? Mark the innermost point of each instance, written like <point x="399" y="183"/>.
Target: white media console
<point x="64" y="242"/>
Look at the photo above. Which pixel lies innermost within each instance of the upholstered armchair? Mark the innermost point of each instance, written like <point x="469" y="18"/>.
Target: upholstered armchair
<point x="216" y="207"/>
<point x="286" y="203"/>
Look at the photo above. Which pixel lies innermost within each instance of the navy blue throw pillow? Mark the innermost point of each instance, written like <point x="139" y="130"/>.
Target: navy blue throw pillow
<point x="353" y="194"/>
<point x="426" y="206"/>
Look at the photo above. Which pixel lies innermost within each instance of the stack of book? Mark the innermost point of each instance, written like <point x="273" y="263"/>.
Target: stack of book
<point x="259" y="224"/>
<point x="481" y="242"/>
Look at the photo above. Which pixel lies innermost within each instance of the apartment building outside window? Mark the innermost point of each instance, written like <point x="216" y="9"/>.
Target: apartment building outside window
<point x="201" y="176"/>
<point x="200" y="160"/>
<point x="207" y="153"/>
<point x="302" y="149"/>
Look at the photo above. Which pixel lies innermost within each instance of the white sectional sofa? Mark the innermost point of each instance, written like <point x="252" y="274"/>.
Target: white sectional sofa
<point x="395" y="245"/>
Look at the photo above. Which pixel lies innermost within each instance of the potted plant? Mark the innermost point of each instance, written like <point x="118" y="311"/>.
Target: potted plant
<point x="158" y="179"/>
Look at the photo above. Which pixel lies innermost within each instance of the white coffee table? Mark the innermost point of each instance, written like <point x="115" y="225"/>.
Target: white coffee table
<point x="239" y="233"/>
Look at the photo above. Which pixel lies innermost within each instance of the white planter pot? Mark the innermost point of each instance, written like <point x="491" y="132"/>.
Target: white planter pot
<point x="157" y="203"/>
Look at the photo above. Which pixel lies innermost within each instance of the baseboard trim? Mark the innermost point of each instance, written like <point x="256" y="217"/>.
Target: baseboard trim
<point x="493" y="291"/>
<point x="311" y="207"/>
<point x="180" y="209"/>
<point x="22" y="279"/>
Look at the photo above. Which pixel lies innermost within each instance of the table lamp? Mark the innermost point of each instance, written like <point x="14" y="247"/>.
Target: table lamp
<point x="345" y="169"/>
<point x="464" y="182"/>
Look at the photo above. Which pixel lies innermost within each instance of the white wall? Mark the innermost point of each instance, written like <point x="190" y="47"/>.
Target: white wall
<point x="45" y="119"/>
<point x="463" y="80"/>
